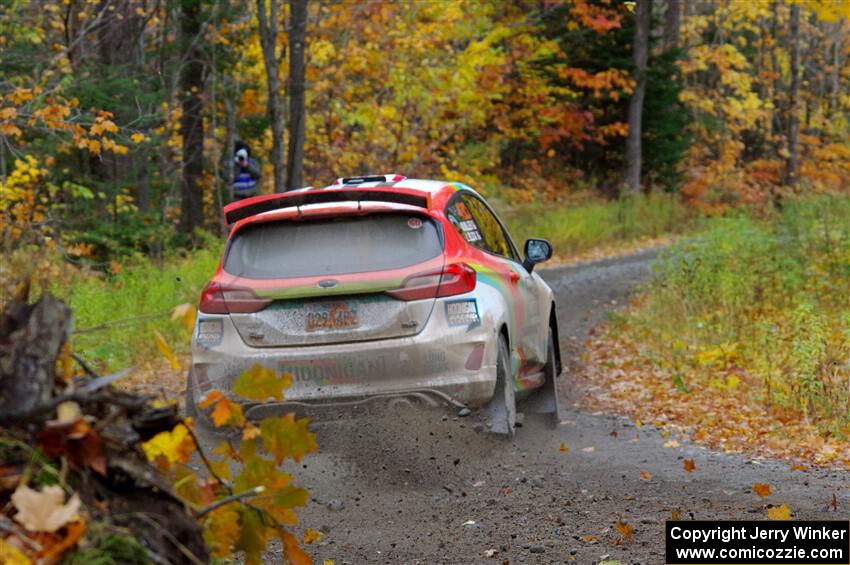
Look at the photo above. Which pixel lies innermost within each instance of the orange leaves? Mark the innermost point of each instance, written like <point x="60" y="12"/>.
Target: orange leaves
<point x="762" y="489"/>
<point x="625" y="530"/>
<point x="292" y="552"/>
<point x="261" y="384"/>
<point x="598" y="18"/>
<point x="224" y="412"/>
<point x="563" y="447"/>
<point x="227" y="413"/>
<point x="689" y="465"/>
<point x="53" y="115"/>
<point x="645" y="476"/>
<point x="607" y="80"/>
<point x="221" y="530"/>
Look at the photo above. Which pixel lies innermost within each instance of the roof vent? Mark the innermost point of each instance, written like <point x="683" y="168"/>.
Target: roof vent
<point x="390" y="178"/>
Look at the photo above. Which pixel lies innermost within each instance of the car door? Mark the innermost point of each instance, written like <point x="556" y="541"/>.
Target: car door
<point x="490" y="236"/>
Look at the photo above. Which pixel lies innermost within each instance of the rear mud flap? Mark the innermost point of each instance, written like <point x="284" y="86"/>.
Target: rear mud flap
<point x="544" y="400"/>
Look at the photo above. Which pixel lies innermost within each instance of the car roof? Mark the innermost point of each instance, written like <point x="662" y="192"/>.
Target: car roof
<point x="427" y="194"/>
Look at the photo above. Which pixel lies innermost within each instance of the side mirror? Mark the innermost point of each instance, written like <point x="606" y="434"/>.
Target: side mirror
<point x="536" y="251"/>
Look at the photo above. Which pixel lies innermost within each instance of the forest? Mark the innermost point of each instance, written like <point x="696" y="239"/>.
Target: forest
<point x="118" y="119"/>
<point x="717" y="131"/>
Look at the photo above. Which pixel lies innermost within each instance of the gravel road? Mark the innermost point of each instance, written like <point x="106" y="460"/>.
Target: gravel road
<point x="421" y="488"/>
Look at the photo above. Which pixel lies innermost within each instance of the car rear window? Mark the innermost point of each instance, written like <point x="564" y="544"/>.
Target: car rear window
<point x="356" y="244"/>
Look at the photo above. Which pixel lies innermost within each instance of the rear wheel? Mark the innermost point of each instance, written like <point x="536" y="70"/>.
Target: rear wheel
<point x="501" y="410"/>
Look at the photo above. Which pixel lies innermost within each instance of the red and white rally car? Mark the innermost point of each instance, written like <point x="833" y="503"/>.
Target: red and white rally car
<point x="379" y="288"/>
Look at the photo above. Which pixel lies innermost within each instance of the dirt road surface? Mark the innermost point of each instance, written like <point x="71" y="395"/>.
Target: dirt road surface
<point x="419" y="488"/>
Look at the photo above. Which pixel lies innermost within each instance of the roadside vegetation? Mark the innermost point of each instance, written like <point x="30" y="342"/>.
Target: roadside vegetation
<point x="743" y="335"/>
<point x="595" y="223"/>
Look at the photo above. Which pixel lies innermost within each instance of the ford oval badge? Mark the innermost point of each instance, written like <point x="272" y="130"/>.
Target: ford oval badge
<point x="327" y="283"/>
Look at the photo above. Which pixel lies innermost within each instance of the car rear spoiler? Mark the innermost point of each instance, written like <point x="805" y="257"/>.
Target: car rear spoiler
<point x="266" y="203"/>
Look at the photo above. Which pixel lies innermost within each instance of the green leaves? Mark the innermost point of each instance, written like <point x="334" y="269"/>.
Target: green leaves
<point x="286" y="437"/>
<point x="261" y="384"/>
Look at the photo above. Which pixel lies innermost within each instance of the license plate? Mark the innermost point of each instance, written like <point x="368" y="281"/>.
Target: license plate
<point x="334" y="316"/>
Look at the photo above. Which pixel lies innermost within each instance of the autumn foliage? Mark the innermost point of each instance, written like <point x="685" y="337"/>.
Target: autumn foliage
<point x="742" y="338"/>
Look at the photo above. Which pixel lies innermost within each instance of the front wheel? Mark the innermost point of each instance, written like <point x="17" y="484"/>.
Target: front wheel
<point x="501" y="410"/>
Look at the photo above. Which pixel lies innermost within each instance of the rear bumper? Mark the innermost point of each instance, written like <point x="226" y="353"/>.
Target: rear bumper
<point x="433" y="365"/>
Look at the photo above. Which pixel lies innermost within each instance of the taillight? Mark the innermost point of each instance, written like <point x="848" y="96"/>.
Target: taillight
<point x="456" y="278"/>
<point x="217" y="299"/>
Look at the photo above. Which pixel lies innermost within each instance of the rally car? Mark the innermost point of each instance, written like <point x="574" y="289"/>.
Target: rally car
<point x="379" y="289"/>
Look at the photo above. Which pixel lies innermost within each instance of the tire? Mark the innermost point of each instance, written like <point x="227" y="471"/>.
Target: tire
<point x="501" y="410"/>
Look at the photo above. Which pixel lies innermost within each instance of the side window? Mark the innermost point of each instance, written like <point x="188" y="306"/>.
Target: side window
<point x="479" y="226"/>
<point x="461" y="218"/>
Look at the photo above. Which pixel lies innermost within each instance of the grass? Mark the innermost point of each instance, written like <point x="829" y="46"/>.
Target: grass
<point x="762" y="300"/>
<point x="115" y="316"/>
<point x="597" y="223"/>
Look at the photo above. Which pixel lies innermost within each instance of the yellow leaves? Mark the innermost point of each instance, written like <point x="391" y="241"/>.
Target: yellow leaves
<point x="186" y="313"/>
<point x="563" y="447"/>
<point x="10" y="129"/>
<point x="285" y="437"/>
<point x="645" y="476"/>
<point x="670" y="444"/>
<point x="10" y="555"/>
<point x="137" y="137"/>
<point x="44" y="511"/>
<point x="20" y="96"/>
<point x="311" y="535"/>
<point x="170" y="448"/>
<point x="781" y="512"/>
<point x="8" y="113"/>
<point x="321" y="52"/>
<point x="261" y="384"/>
<point x="689" y="465"/>
<point x="102" y="125"/>
<point x="762" y="489"/>
<point x="166" y="351"/>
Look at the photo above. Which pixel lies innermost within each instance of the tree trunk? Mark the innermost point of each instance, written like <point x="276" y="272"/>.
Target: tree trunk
<point x="640" y="48"/>
<point x="31" y="338"/>
<point x="836" y="60"/>
<point x="793" y="162"/>
<point x="191" y="122"/>
<point x="268" y="40"/>
<point x="672" y="25"/>
<point x="297" y="37"/>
